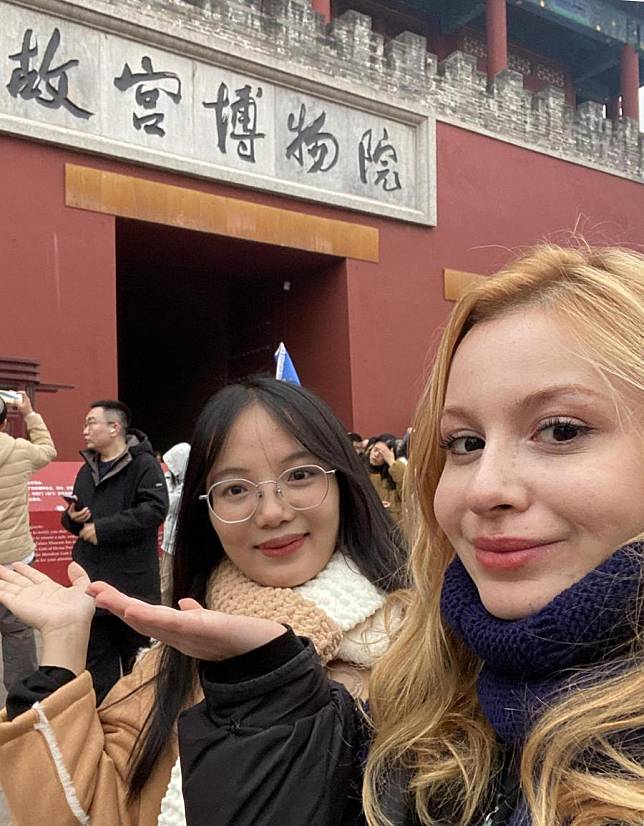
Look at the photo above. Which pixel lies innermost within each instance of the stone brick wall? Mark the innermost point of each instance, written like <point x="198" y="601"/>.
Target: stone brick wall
<point x="402" y="68"/>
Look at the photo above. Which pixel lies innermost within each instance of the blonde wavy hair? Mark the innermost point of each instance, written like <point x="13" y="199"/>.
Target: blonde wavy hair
<point x="423" y="700"/>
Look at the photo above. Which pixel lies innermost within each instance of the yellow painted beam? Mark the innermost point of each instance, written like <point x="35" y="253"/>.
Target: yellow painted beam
<point x="129" y="197"/>
<point x="456" y="282"/>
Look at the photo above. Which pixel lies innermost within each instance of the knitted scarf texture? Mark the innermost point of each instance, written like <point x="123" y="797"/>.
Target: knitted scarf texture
<point x="529" y="661"/>
<point x="339" y="609"/>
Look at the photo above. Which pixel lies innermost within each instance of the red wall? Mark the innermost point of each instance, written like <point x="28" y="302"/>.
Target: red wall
<point x="57" y="288"/>
<point x="361" y="337"/>
<point x="493" y="198"/>
<point x="318" y="336"/>
<point x="62" y="309"/>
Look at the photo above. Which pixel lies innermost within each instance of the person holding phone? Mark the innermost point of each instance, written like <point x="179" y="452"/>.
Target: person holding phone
<point x="19" y="458"/>
<point x="119" y="503"/>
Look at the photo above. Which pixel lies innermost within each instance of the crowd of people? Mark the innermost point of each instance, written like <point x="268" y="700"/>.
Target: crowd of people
<point x="115" y="511"/>
<point x="314" y="669"/>
<point x="312" y="547"/>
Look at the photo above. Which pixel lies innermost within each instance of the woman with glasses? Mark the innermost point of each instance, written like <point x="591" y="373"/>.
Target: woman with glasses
<point x="514" y="692"/>
<point x="278" y="520"/>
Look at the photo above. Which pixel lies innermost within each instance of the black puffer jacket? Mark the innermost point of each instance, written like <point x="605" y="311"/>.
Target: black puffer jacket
<point x="128" y="505"/>
<point x="275" y="743"/>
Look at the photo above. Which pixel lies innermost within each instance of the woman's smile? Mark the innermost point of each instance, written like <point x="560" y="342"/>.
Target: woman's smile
<point x="543" y="478"/>
<point x="283" y="545"/>
<point x="511" y="553"/>
<point x="278" y="546"/>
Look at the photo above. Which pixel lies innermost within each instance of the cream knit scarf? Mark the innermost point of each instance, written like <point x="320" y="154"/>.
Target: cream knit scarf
<point x="336" y="610"/>
<point x="340" y="611"/>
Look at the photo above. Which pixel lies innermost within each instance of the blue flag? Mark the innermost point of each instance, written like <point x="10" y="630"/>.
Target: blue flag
<point x="285" y="370"/>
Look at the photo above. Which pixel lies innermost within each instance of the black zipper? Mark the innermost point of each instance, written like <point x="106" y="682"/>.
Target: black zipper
<point x="507" y="796"/>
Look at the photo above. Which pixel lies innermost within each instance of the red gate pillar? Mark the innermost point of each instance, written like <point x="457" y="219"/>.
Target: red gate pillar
<point x="323" y="7"/>
<point x="614" y="108"/>
<point x="497" y="37"/>
<point x="630" y="82"/>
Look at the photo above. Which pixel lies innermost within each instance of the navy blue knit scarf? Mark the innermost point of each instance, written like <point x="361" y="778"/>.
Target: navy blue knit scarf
<point x="527" y="662"/>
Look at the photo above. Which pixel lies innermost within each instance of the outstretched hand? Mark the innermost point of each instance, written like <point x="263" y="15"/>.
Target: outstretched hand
<point x="193" y="630"/>
<point x="62" y="615"/>
<point x="42" y="603"/>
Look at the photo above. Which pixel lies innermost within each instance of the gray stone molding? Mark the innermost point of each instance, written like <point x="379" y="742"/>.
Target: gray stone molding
<point x="460" y="94"/>
<point x="287" y="41"/>
<point x="397" y="136"/>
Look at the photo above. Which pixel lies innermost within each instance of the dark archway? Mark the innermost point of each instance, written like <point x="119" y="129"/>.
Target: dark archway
<point x="196" y="310"/>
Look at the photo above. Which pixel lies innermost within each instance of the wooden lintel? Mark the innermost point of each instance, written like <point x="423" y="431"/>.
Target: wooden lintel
<point x="130" y="197"/>
<point x="456" y="282"/>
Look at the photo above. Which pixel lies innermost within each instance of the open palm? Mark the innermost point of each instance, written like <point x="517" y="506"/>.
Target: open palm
<point x="42" y="603"/>
<point x="193" y="630"/>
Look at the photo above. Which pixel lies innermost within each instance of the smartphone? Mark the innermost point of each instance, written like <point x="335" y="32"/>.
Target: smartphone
<point x="72" y="499"/>
<point x="11" y="396"/>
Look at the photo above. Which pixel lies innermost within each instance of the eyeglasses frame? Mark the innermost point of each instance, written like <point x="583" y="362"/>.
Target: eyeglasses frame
<point x="259" y="493"/>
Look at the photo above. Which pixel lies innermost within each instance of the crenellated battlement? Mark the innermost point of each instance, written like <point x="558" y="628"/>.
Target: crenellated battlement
<point x="402" y="68"/>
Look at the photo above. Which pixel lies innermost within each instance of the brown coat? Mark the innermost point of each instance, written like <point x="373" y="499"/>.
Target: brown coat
<point x="95" y="747"/>
<point x="19" y="458"/>
<point x="391" y="497"/>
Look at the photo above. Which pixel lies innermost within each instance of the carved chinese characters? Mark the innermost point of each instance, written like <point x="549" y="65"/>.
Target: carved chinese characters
<point x="65" y="82"/>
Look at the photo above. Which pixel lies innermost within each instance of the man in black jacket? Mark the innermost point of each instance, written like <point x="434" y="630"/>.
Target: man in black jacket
<point x="121" y="500"/>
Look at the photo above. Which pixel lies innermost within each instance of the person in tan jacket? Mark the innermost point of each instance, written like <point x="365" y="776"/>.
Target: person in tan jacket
<point x="19" y="458"/>
<point x="387" y="473"/>
<point x="299" y="538"/>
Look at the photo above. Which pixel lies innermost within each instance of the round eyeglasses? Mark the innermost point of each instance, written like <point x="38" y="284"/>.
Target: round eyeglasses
<point x="236" y="500"/>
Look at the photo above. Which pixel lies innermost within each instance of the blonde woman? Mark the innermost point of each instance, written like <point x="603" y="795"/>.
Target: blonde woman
<point x="514" y="693"/>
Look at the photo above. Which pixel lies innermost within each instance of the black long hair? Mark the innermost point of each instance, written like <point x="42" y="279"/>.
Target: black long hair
<point x="367" y="534"/>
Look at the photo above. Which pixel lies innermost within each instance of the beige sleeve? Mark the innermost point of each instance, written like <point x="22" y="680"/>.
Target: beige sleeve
<point x="397" y="472"/>
<point x="63" y="762"/>
<point x="40" y="448"/>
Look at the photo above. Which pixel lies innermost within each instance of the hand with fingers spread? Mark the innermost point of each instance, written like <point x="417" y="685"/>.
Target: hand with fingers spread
<point x="63" y="615"/>
<point x="193" y="630"/>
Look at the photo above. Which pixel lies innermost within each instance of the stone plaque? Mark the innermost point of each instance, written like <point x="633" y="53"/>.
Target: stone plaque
<point x="71" y="82"/>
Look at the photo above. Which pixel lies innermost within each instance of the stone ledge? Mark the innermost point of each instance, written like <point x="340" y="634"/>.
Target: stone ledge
<point x="402" y="69"/>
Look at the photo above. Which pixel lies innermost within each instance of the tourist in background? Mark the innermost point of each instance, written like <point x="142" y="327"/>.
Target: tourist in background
<point x="176" y="461"/>
<point x="121" y="502"/>
<point x="19" y="458"/>
<point x="387" y="473"/>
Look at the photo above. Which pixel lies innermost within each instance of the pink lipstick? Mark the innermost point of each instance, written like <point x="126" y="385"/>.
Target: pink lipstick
<point x="508" y="553"/>
<point x="282" y="545"/>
